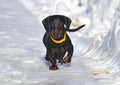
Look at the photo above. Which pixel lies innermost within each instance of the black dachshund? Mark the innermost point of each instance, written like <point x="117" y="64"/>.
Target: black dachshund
<point x="56" y="40"/>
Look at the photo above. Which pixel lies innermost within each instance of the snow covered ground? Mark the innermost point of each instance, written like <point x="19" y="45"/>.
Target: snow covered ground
<point x="97" y="50"/>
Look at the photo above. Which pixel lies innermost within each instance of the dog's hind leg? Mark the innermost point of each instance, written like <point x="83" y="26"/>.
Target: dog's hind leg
<point x="61" y="58"/>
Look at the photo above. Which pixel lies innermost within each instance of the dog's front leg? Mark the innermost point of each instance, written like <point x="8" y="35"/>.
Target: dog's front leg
<point x="50" y="57"/>
<point x="69" y="55"/>
<point x="53" y="64"/>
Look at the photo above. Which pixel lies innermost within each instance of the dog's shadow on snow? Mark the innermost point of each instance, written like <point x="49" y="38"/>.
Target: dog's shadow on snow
<point x="47" y="63"/>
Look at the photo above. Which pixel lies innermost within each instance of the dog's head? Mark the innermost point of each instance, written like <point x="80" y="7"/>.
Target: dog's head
<point x="56" y="25"/>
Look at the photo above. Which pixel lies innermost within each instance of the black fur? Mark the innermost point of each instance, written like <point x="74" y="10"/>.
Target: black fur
<point x="57" y="26"/>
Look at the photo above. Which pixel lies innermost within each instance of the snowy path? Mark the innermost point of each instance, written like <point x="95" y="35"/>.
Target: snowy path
<point x="22" y="52"/>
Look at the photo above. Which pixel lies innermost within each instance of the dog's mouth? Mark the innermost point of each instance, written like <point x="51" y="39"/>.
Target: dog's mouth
<point x="59" y="35"/>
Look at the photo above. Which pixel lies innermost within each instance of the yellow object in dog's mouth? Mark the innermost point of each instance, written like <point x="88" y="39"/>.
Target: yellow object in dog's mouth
<point x="59" y="41"/>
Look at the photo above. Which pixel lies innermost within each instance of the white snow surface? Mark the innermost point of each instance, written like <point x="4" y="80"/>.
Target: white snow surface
<point x="96" y="46"/>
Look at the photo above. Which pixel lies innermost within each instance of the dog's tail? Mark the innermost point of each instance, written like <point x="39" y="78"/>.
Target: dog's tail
<point x="76" y="29"/>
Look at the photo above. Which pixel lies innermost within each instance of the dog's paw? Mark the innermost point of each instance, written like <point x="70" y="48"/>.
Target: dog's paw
<point x="53" y="67"/>
<point x="67" y="59"/>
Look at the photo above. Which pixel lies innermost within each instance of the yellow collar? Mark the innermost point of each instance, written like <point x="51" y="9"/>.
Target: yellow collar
<point x="58" y="41"/>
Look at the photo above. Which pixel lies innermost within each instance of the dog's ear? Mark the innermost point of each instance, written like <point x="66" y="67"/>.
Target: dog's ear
<point x="67" y="22"/>
<point x="46" y="23"/>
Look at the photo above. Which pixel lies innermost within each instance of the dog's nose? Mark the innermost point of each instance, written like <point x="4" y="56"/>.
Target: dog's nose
<point x="56" y="30"/>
